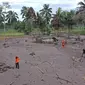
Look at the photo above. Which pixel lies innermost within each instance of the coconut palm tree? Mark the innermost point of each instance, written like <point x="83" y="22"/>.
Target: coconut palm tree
<point x="82" y="6"/>
<point x="11" y="17"/>
<point x="24" y="11"/>
<point x="1" y="17"/>
<point x="40" y="22"/>
<point x="28" y="14"/>
<point x="46" y="13"/>
<point x="1" y="14"/>
<point x="5" y="7"/>
<point x="68" y="18"/>
<point x="59" y="16"/>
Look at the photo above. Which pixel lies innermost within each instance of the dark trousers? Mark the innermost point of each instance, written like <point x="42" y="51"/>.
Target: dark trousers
<point x="17" y="65"/>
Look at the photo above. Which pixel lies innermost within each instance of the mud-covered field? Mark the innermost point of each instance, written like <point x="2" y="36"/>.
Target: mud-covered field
<point x="41" y="64"/>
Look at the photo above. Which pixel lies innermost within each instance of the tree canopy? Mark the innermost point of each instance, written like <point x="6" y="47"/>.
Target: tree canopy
<point x="44" y="20"/>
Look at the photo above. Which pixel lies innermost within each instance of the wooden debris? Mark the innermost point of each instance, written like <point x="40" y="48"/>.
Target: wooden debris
<point x="32" y="54"/>
<point x="4" y="67"/>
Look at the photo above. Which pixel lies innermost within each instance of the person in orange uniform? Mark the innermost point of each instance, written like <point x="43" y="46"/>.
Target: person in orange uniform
<point x="17" y="60"/>
<point x="63" y="43"/>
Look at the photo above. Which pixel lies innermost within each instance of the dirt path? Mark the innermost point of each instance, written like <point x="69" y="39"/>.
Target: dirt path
<point x="49" y="65"/>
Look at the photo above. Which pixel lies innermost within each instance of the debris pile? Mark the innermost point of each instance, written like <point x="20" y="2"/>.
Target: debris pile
<point x="4" y="67"/>
<point x="5" y="45"/>
<point x="32" y="54"/>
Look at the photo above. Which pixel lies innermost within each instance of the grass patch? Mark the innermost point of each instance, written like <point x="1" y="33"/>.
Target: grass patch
<point x="73" y="31"/>
<point x="78" y="31"/>
<point x="11" y="32"/>
<point x="7" y="35"/>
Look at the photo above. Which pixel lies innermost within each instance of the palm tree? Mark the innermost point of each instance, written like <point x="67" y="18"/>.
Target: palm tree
<point x="82" y="6"/>
<point x="28" y="14"/>
<point x="80" y="14"/>
<point x="46" y="12"/>
<point x="79" y="18"/>
<point x="24" y="11"/>
<point x="31" y="13"/>
<point x="68" y="18"/>
<point x="1" y="14"/>
<point x="40" y="22"/>
<point x="11" y="17"/>
<point x="31" y="17"/>
<point x="59" y="16"/>
<point x="1" y="17"/>
<point x="5" y="6"/>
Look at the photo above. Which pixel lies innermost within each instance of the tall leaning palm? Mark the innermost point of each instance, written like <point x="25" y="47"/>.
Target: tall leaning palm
<point x="82" y="6"/>
<point x="24" y="11"/>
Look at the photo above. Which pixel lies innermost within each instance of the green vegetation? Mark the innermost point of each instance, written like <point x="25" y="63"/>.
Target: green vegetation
<point x="43" y="21"/>
<point x="78" y="31"/>
<point x="11" y="32"/>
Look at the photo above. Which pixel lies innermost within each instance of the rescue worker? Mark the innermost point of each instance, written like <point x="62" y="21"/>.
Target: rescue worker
<point x="17" y="62"/>
<point x="63" y="43"/>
